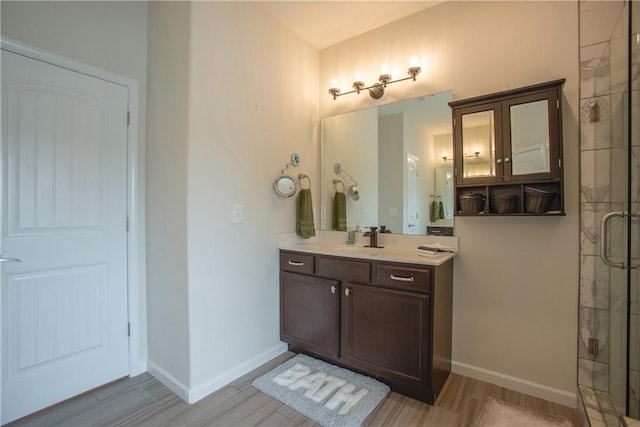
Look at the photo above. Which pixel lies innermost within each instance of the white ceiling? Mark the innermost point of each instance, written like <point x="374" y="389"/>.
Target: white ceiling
<point x="325" y="23"/>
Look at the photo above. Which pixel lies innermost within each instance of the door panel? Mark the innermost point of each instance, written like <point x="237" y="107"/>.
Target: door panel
<point x="43" y="318"/>
<point x="386" y="331"/>
<point x="64" y="148"/>
<point x="56" y="178"/>
<point x="309" y="313"/>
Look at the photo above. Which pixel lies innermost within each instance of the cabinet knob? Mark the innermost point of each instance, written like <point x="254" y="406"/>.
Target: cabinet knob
<point x="498" y="161"/>
<point x="333" y="289"/>
<point x="347" y="291"/>
<point x="507" y="160"/>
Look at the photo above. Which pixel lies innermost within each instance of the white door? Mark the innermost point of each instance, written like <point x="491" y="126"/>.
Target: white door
<point x="411" y="196"/>
<point x="64" y="171"/>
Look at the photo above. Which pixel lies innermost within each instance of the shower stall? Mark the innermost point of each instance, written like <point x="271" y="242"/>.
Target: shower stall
<point x="609" y="312"/>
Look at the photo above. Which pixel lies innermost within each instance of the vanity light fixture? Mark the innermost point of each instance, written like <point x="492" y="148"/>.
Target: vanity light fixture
<point x="475" y="154"/>
<point x="445" y="158"/>
<point x="376" y="90"/>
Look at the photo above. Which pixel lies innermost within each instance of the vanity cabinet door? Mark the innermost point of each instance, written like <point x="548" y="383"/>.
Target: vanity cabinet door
<point x="386" y="333"/>
<point x="309" y="313"/>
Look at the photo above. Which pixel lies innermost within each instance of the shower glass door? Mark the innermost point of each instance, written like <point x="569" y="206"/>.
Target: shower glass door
<point x="620" y="230"/>
<point x="609" y="321"/>
<point x="633" y="206"/>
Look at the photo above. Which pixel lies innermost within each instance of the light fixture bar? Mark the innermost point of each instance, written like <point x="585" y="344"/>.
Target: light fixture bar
<point x="376" y="90"/>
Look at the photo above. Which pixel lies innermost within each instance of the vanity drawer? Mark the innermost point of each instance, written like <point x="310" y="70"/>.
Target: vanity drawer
<point x="349" y="270"/>
<point x="297" y="262"/>
<point x="404" y="277"/>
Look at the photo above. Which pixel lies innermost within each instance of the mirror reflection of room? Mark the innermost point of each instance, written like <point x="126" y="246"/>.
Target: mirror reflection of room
<point x="479" y="144"/>
<point x="402" y="156"/>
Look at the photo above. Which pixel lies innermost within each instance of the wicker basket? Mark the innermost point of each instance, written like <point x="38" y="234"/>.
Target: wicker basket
<point x="536" y="200"/>
<point x="504" y="203"/>
<point x="470" y="203"/>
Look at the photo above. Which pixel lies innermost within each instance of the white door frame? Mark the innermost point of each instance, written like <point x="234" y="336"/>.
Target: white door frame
<point x="135" y="236"/>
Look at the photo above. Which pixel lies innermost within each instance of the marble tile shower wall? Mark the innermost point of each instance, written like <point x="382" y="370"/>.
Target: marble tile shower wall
<point x="603" y="188"/>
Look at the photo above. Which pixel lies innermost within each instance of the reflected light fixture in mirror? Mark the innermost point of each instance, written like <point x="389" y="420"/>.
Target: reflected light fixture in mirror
<point x="376" y="90"/>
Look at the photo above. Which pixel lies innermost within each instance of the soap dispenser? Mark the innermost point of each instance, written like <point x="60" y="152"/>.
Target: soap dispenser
<point x="351" y="236"/>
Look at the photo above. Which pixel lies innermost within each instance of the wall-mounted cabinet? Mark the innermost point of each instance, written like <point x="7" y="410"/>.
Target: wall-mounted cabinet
<point x="508" y="152"/>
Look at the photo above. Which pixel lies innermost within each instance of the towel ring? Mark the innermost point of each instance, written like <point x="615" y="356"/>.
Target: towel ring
<point x="302" y="176"/>
<point x="339" y="181"/>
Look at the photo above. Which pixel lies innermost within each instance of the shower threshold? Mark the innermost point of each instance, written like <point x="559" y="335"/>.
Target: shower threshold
<point x="598" y="409"/>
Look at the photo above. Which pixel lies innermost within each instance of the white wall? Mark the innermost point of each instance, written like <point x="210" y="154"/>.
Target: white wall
<point x="252" y="102"/>
<point x="168" y="85"/>
<point x="108" y="35"/>
<point x="516" y="279"/>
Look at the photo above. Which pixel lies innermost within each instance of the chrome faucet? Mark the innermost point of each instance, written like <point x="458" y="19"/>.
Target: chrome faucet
<point x="373" y="238"/>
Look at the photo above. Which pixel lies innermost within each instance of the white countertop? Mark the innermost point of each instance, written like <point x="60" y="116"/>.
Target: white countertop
<point x="397" y="248"/>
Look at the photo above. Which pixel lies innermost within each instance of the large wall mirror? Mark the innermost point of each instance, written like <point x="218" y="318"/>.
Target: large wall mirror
<point x="390" y="165"/>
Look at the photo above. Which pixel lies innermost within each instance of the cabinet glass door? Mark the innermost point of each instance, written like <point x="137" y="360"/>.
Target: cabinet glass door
<point x="529" y="138"/>
<point x="478" y="145"/>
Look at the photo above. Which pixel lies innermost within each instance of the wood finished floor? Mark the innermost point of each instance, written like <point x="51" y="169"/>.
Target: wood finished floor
<point x="144" y="401"/>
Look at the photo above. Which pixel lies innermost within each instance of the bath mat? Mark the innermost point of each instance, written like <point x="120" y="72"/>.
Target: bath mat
<point x="329" y="395"/>
<point x="496" y="413"/>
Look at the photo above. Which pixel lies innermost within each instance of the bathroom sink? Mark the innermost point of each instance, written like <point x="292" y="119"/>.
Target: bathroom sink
<point x="359" y="250"/>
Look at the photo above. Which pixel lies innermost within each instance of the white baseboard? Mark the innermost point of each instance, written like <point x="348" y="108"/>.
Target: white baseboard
<point x="169" y="380"/>
<point x="192" y="395"/>
<point x="203" y="390"/>
<point x="138" y="368"/>
<point x="542" y="391"/>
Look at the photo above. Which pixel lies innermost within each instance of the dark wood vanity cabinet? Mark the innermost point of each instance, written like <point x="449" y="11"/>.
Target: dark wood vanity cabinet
<point x="391" y="321"/>
<point x="508" y="151"/>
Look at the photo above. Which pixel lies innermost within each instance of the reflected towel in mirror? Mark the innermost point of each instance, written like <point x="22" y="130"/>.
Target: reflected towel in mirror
<point x="305" y="227"/>
<point x="433" y="213"/>
<point x="339" y="218"/>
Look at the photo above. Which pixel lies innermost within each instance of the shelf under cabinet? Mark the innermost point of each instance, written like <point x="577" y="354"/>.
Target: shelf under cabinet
<point x="503" y="191"/>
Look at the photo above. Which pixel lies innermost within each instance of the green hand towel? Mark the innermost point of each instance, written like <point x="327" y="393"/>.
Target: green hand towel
<point x="433" y="214"/>
<point x="339" y="218"/>
<point x="304" y="215"/>
<point x="440" y="210"/>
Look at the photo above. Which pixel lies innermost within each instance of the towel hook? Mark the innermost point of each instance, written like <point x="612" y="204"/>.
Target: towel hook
<point x="295" y="162"/>
<point x="302" y="176"/>
<point x="339" y="181"/>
